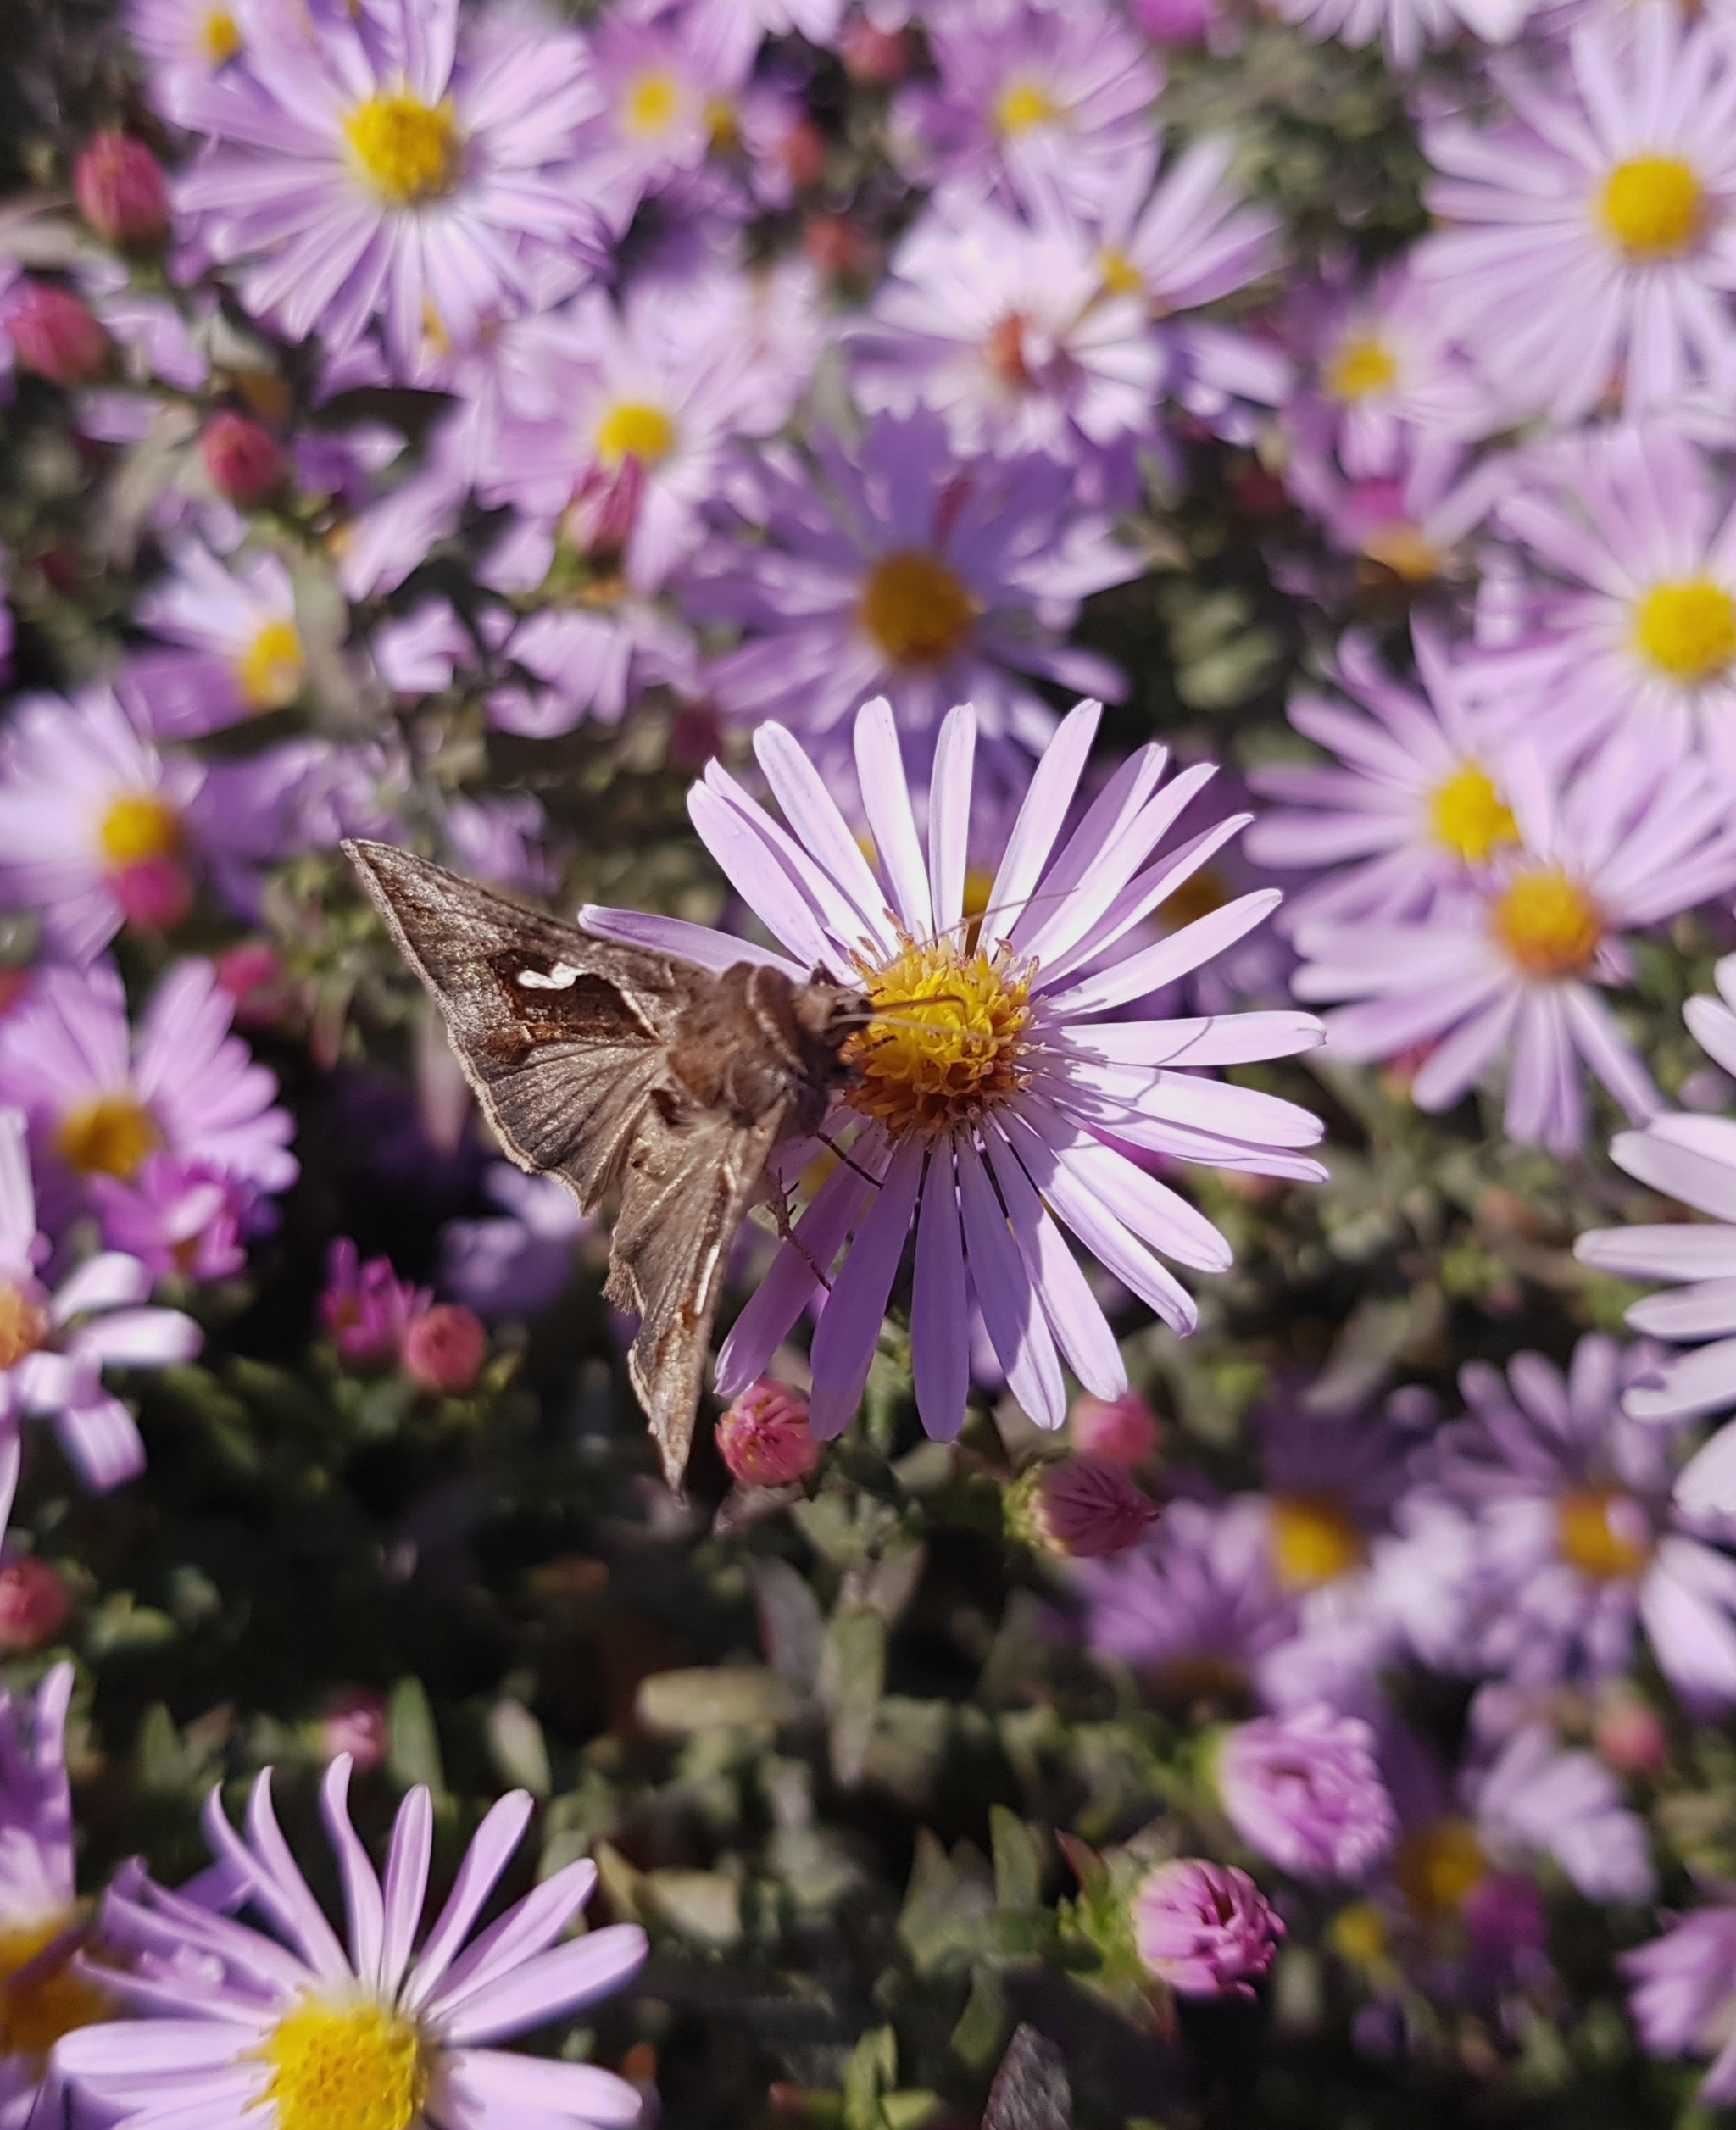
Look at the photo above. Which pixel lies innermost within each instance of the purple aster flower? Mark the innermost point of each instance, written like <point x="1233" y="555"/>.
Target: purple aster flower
<point x="517" y="1263"/>
<point x="1589" y="241"/>
<point x="241" y="651"/>
<point x="367" y="1309"/>
<point x="1413" y="522"/>
<point x="1013" y="331"/>
<point x="184" y="42"/>
<point x="1683" y="1994"/>
<point x="176" y="1217"/>
<point x="1187" y="238"/>
<point x="1509" y="968"/>
<point x="1638" y="627"/>
<point x="1538" y="1800"/>
<point x="1205" y="1929"/>
<point x="396" y="164"/>
<point x="1577" y="1541"/>
<point x="593" y="661"/>
<point x="740" y="25"/>
<point x="1405" y="27"/>
<point x="242" y="2028"/>
<point x="1306" y="1791"/>
<point x="904" y="570"/>
<point x="1409" y="814"/>
<point x="664" y="89"/>
<point x="990" y="1083"/>
<point x="54" y="1346"/>
<point x="1047" y="106"/>
<point x="100" y="1098"/>
<point x="93" y="827"/>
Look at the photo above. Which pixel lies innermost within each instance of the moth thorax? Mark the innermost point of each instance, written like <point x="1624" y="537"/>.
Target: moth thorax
<point x="949" y="1028"/>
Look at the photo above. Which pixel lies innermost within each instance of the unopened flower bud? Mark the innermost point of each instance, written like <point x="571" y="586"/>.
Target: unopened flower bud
<point x="763" y="1439"/>
<point x="1078" y="1509"/>
<point x="801" y="153"/>
<point x="252" y="974"/>
<point x="54" y="334"/>
<point x="1205" y="1929"/>
<point x="835" y="245"/>
<point x="444" y="1349"/>
<point x="35" y="1605"/>
<point x="876" y="57"/>
<point x="242" y="459"/>
<point x="356" y="1723"/>
<point x="1122" y="1431"/>
<point x="1629" y="1737"/>
<point x="154" y="893"/>
<point x="122" y="193"/>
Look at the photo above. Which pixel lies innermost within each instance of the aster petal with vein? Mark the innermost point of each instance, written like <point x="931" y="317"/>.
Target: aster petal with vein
<point x="300" y="2031"/>
<point x="995" y="1088"/>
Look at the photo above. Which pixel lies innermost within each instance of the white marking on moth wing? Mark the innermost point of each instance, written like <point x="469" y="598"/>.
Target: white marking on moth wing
<point x="562" y="977"/>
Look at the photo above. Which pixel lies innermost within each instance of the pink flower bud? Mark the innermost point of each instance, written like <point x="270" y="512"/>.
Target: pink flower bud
<point x="54" y="334"/>
<point x="764" y="1438"/>
<point x="33" y="1605"/>
<point x="444" y="1349"/>
<point x="121" y="192"/>
<point x="1122" y="1430"/>
<point x="154" y="893"/>
<point x="355" y="1723"/>
<point x="366" y="1308"/>
<point x="1629" y="1737"/>
<point x="1205" y="1929"/>
<point x="875" y="58"/>
<point x="599" y="521"/>
<point x="835" y="245"/>
<point x="242" y="459"/>
<point x="801" y="153"/>
<point x="1079" y="1508"/>
<point x="252" y="974"/>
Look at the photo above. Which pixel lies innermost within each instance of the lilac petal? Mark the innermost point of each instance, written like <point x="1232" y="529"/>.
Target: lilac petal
<point x="1140" y="898"/>
<point x="101" y="1439"/>
<point x="138" y="2048"/>
<point x="575" y="1974"/>
<point x="1015" y="1324"/>
<point x="11" y="1458"/>
<point x="1238" y="1038"/>
<point x="1702" y="1381"/>
<point x="950" y="816"/>
<point x="1176" y="956"/>
<point x="1081" y="1329"/>
<point x="940" y="1352"/>
<point x="698" y="945"/>
<point x="1683" y="1159"/>
<point x="812" y="813"/>
<point x="489" y="1854"/>
<point x="1052" y="783"/>
<point x="885" y="800"/>
<point x="512" y="2083"/>
<point x="406" y="1885"/>
<point x="214" y="2102"/>
<point x="277" y="1868"/>
<point x="757" y="877"/>
<point x="849" y="1327"/>
<point x="138" y="1337"/>
<point x="1672" y="1253"/>
<point x="1108" y="815"/>
<point x="361" y="1887"/>
<point x="528" y="1928"/>
<point x="836" y="912"/>
<point x="1151" y="1209"/>
<point x="111" y="1280"/>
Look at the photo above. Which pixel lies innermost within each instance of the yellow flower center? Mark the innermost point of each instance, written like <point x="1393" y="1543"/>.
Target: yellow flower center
<point x="271" y="672"/>
<point x="1121" y="276"/>
<point x="1407" y="551"/>
<point x="219" y="39"/>
<point x="1467" y="816"/>
<point x="109" y="1135"/>
<point x="945" y="1043"/>
<point x="1313" y="1541"/>
<point x="345" y="2067"/>
<point x="634" y="429"/>
<point x="916" y="610"/>
<point x="137" y="826"/>
<point x="723" y="125"/>
<point x="1359" y="1934"/>
<point x="651" y="104"/>
<point x="1652" y="207"/>
<point x="1439" y="1867"/>
<point x="23" y="1326"/>
<point x="1687" y="630"/>
<point x="1021" y="105"/>
<point x="34" y="2013"/>
<point x="1361" y="368"/>
<point x="1603" y="1532"/>
<point x="408" y="150"/>
<point x="1548" y="924"/>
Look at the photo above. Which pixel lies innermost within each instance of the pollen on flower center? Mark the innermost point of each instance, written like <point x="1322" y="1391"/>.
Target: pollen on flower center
<point x="408" y="149"/>
<point x="271" y="672"/>
<point x="1439" y="1867"/>
<point x="1603" y="1532"/>
<point x="1407" y="551"/>
<point x="345" y="2067"/>
<point x="1313" y="1541"/>
<point x="220" y="38"/>
<point x="651" y="104"/>
<point x="945" y="1043"/>
<point x="1548" y="924"/>
<point x="108" y="1136"/>
<point x="1022" y="105"/>
<point x="1687" y="629"/>
<point x="634" y="429"/>
<point x="1468" y="817"/>
<point x="1361" y="368"/>
<point x="137" y="826"/>
<point x="916" y="610"/>
<point x="51" y="2001"/>
<point x="23" y="1325"/>
<point x="1121" y="276"/>
<point x="1652" y="206"/>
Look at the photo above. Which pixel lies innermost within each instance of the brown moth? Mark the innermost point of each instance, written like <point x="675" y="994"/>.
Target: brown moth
<point x="631" y="1076"/>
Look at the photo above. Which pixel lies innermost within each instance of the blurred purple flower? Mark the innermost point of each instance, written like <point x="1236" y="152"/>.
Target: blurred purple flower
<point x="515" y="1264"/>
<point x="1683" y="1994"/>
<point x="174" y="1216"/>
<point x="367" y="1308"/>
<point x="1205" y="1929"/>
<point x="241" y="653"/>
<point x="1306" y="1791"/>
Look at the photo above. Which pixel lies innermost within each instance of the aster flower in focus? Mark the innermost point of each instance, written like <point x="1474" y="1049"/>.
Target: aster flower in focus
<point x="396" y="165"/>
<point x="1409" y="813"/>
<point x="100" y="1098"/>
<point x="1589" y="241"/>
<point x="299" y="2030"/>
<point x="93" y="827"/>
<point x="900" y="569"/>
<point x="242" y="650"/>
<point x="1683" y="1994"/>
<point x="55" y="1345"/>
<point x="991" y="1082"/>
<point x="1509" y="970"/>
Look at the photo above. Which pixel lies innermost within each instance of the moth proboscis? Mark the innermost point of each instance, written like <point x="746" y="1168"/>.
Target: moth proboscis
<point x="632" y="1077"/>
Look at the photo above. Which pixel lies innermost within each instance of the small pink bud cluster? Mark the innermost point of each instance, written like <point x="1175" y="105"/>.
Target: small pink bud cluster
<point x="764" y="1438"/>
<point x="355" y="1723"/>
<point x="122" y="193"/>
<point x="444" y="1349"/>
<point x="378" y="1321"/>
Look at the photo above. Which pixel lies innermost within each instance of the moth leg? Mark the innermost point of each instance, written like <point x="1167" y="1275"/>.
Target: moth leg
<point x="832" y="1147"/>
<point x="779" y="1200"/>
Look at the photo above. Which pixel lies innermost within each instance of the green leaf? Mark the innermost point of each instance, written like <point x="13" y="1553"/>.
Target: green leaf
<point x="413" y="1756"/>
<point x="852" y="1679"/>
<point x="976" y="2040"/>
<point x="1018" y="1861"/>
